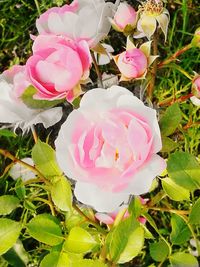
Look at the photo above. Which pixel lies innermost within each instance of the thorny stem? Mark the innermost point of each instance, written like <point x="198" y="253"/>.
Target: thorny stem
<point x="174" y="56"/>
<point x="97" y="70"/>
<point x="180" y="212"/>
<point x="170" y="101"/>
<point x="151" y="85"/>
<point x="88" y="218"/>
<point x="7" y="154"/>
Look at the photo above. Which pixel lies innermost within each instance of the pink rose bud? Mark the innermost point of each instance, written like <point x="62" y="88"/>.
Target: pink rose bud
<point x="196" y="91"/>
<point x="110" y="149"/>
<point x="132" y="63"/>
<point x="196" y="86"/>
<point x="58" y="66"/>
<point x="124" y="16"/>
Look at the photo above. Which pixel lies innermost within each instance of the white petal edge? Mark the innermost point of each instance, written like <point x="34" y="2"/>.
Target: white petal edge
<point x="143" y="178"/>
<point x="101" y="201"/>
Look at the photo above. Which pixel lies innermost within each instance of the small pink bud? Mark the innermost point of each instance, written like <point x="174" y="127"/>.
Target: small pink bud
<point x="124" y="16"/>
<point x="132" y="63"/>
<point x="196" y="86"/>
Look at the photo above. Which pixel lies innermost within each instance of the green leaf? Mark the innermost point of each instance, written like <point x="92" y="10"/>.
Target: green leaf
<point x="159" y="251"/>
<point x="17" y="256"/>
<point x="61" y="194"/>
<point x="45" y="160"/>
<point x="184" y="170"/>
<point x="135" y="207"/>
<point x="174" y="191"/>
<point x="8" y="203"/>
<point x="168" y="144"/>
<point x="9" y="233"/>
<point x="28" y="99"/>
<point x="180" y="231"/>
<point x="7" y="133"/>
<point x="170" y="120"/>
<point x="194" y="217"/>
<point x="79" y="241"/>
<point x="134" y="245"/>
<point x="46" y="229"/>
<point x="181" y="259"/>
<point x="56" y="259"/>
<point x="20" y="189"/>
<point x="117" y="238"/>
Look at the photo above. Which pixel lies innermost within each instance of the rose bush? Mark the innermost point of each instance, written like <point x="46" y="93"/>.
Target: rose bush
<point x="110" y="148"/>
<point x="58" y="66"/>
<point x="82" y="20"/>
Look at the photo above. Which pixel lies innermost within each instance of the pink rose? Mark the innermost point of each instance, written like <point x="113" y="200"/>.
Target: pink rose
<point x="196" y="90"/>
<point x="58" y="66"/>
<point x="132" y="63"/>
<point x="109" y="147"/>
<point x="16" y="76"/>
<point x="124" y="16"/>
<point x="82" y="20"/>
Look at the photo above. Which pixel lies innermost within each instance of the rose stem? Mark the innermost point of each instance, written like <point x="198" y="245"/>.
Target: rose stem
<point x="88" y="219"/>
<point x="97" y="70"/>
<point x="151" y="85"/>
<point x="7" y="154"/>
<point x="175" y="55"/>
<point x="181" y="212"/>
<point x="168" y="102"/>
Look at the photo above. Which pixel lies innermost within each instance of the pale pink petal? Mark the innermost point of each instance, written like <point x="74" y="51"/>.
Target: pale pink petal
<point x="100" y="200"/>
<point x="142" y="179"/>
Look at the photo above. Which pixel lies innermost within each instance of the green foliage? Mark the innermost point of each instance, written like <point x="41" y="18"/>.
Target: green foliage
<point x="122" y="237"/>
<point x="79" y="241"/>
<point x="61" y="194"/>
<point x="46" y="229"/>
<point x="194" y="217"/>
<point x="159" y="251"/>
<point x="174" y="191"/>
<point x="181" y="259"/>
<point x="184" y="170"/>
<point x="8" y="203"/>
<point x="9" y="233"/>
<point x="170" y="120"/>
<point x="180" y="231"/>
<point x="44" y="158"/>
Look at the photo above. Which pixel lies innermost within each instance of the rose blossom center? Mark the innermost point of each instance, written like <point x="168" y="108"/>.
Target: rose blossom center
<point x="152" y="7"/>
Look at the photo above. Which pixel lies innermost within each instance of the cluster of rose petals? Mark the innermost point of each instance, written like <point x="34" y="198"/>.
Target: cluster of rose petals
<point x="57" y="67"/>
<point x="82" y="20"/>
<point x="196" y="90"/>
<point x="109" y="146"/>
<point x="124" y="16"/>
<point x="13" y="82"/>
